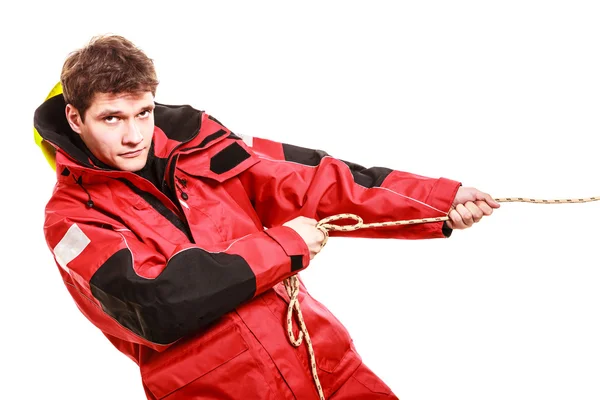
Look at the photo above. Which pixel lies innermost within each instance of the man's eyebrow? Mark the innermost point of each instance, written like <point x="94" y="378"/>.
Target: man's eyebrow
<point x="106" y="113"/>
<point x="109" y="112"/>
<point x="149" y="107"/>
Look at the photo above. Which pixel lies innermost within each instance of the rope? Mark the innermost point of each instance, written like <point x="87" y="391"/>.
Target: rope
<point x="292" y="284"/>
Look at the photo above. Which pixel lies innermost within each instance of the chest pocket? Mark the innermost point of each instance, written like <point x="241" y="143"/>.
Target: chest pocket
<point x="216" y="205"/>
<point x="220" y="162"/>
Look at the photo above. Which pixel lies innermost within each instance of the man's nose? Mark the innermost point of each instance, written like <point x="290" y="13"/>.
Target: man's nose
<point x="133" y="134"/>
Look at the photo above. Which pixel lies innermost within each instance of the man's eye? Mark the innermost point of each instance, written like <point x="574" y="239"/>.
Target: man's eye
<point x="145" y="113"/>
<point x="111" y="119"/>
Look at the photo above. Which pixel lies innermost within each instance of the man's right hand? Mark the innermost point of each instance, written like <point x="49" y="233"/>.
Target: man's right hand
<point x="306" y="228"/>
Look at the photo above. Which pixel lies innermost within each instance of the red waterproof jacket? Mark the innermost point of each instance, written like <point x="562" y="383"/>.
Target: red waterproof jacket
<point x="191" y="290"/>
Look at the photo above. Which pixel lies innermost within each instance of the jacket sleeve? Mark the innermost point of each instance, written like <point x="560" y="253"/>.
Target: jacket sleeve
<point x="291" y="181"/>
<point x="158" y="298"/>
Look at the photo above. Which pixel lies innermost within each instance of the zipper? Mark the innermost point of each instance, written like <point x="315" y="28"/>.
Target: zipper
<point x="168" y="183"/>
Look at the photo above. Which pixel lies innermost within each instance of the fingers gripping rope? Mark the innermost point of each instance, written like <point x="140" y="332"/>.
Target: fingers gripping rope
<point x="292" y="284"/>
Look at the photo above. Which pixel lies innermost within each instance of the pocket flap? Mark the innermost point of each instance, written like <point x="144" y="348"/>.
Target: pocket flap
<point x="193" y="361"/>
<point x="219" y="162"/>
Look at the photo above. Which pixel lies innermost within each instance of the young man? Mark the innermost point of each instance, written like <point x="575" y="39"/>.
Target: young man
<point x="173" y="234"/>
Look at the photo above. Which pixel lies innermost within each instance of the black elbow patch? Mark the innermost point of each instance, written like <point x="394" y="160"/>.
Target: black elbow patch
<point x="195" y="289"/>
<point x="366" y="177"/>
<point x="302" y="155"/>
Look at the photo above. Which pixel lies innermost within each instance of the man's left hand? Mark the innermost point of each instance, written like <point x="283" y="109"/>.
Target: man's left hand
<point x="469" y="207"/>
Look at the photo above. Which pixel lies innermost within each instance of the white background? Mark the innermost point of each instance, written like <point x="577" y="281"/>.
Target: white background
<point x="502" y="96"/>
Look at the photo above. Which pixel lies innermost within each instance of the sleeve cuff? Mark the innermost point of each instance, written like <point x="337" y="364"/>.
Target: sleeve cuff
<point x="443" y="193"/>
<point x="441" y="197"/>
<point x="292" y="244"/>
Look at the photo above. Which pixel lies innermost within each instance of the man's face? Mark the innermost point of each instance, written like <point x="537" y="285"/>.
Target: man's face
<point x="118" y="128"/>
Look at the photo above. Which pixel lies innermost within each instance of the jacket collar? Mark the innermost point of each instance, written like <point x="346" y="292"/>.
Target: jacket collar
<point x="180" y="123"/>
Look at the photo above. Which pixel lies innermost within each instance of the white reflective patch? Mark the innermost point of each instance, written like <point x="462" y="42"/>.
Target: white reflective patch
<point x="247" y="139"/>
<point x="70" y="246"/>
<point x="183" y="203"/>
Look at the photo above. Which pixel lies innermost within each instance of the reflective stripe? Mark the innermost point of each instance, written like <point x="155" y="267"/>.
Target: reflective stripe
<point x="70" y="246"/>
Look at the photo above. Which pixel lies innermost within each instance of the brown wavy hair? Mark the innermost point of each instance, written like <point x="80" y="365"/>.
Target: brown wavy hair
<point x="108" y="64"/>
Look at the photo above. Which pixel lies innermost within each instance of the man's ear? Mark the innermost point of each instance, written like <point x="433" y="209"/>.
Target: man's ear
<point x="74" y="118"/>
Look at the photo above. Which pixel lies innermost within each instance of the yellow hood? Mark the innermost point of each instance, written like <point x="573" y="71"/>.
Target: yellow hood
<point x="47" y="150"/>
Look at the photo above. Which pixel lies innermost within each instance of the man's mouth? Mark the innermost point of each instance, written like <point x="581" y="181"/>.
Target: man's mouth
<point x="132" y="154"/>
